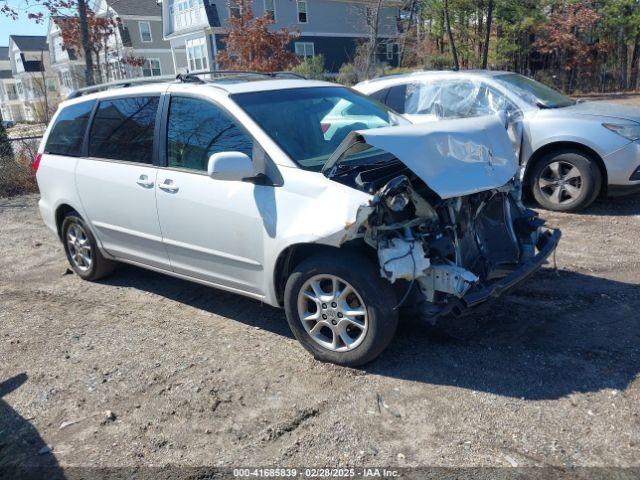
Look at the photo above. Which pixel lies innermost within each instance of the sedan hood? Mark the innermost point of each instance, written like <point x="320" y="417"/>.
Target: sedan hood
<point x="602" y="109"/>
<point x="453" y="157"/>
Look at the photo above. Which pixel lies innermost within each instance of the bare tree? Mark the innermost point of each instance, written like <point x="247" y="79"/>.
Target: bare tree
<point x="452" y="43"/>
<point x="487" y="35"/>
<point x="86" y="44"/>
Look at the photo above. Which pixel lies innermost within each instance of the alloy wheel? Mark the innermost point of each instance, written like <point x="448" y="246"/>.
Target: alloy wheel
<point x="561" y="182"/>
<point x="79" y="247"/>
<point x="332" y="312"/>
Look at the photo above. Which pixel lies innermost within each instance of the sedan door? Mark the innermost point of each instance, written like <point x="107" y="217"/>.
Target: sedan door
<point x="116" y="183"/>
<point x="212" y="229"/>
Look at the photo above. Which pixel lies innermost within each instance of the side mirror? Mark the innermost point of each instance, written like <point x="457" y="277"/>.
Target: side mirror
<point x="230" y="166"/>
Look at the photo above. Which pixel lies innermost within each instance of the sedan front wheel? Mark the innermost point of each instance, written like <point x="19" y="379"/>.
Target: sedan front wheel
<point x="565" y="181"/>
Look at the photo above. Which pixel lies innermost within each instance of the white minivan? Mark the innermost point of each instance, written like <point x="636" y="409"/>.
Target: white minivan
<point x="244" y="184"/>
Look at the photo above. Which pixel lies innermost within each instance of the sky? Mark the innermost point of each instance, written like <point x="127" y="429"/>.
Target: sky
<point x="21" y="26"/>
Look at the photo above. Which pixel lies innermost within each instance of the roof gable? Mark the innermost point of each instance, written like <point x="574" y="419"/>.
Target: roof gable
<point x="142" y="8"/>
<point x="30" y="43"/>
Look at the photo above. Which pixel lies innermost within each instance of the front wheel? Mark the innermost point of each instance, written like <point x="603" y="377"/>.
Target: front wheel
<point x="565" y="181"/>
<point x="340" y="309"/>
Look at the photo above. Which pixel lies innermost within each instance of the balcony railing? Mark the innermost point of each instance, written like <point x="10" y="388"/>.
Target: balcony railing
<point x="187" y="18"/>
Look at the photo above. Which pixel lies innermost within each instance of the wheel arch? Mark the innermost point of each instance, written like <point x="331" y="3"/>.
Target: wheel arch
<point x="294" y="254"/>
<point x="62" y="211"/>
<point x="566" y="145"/>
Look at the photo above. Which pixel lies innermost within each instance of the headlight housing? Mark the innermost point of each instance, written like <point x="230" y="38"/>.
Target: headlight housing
<point x="630" y="131"/>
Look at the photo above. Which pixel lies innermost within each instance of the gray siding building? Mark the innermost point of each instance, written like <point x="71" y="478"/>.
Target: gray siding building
<point x="136" y="49"/>
<point x="196" y="29"/>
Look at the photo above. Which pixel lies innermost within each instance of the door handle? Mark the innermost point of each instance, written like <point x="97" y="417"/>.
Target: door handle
<point x="168" y="186"/>
<point x="144" y="181"/>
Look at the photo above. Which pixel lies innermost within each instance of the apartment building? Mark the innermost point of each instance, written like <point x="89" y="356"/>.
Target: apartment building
<point x="196" y="29"/>
<point x="138" y="48"/>
<point x="35" y="82"/>
<point x="66" y="62"/>
<point x="10" y="105"/>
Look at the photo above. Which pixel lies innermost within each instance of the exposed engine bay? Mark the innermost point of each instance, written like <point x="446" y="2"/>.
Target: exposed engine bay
<point x="447" y="253"/>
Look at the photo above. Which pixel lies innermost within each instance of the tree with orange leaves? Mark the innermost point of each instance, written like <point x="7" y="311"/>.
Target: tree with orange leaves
<point x="100" y="30"/>
<point x="566" y="38"/>
<point x="252" y="46"/>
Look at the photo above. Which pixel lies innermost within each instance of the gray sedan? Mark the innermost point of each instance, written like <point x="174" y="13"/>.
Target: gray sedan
<point x="572" y="151"/>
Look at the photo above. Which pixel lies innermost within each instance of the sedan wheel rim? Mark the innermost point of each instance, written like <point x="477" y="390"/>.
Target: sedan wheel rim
<point x="79" y="247"/>
<point x="333" y="313"/>
<point x="561" y="182"/>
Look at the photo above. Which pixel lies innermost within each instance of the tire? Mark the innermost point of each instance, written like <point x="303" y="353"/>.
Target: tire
<point x="369" y="293"/>
<point x="83" y="248"/>
<point x="565" y="181"/>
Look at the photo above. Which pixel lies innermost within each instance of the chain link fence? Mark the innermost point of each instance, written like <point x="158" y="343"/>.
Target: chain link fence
<point x="16" y="165"/>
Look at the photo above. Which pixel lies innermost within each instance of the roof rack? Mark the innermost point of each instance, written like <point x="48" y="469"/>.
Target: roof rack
<point x="183" y="77"/>
<point x="194" y="77"/>
<point x="130" y="82"/>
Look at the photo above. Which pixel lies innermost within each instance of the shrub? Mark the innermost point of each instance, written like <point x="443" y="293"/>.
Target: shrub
<point x="348" y="74"/>
<point x="16" y="173"/>
<point x="312" y="68"/>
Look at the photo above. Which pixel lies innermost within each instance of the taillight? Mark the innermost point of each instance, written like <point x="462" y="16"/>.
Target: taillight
<point x="325" y="127"/>
<point x="36" y="162"/>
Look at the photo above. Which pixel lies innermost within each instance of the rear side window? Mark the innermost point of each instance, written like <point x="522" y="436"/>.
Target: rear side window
<point x="69" y="130"/>
<point x="123" y="129"/>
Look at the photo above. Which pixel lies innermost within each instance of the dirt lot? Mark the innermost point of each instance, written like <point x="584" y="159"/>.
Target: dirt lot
<point x="192" y="376"/>
<point x="195" y="376"/>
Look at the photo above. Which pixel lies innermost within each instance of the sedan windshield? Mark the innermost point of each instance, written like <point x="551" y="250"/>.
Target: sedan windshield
<point x="534" y="92"/>
<point x="309" y="123"/>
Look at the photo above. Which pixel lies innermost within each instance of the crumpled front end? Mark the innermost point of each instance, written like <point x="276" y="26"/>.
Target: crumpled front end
<point x="455" y="253"/>
<point x="446" y="245"/>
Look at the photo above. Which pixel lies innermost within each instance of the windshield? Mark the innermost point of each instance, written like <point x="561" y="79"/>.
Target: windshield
<point x="309" y="123"/>
<point x="534" y="92"/>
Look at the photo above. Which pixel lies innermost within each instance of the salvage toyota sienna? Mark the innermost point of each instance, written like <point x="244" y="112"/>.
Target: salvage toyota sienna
<point x="302" y="194"/>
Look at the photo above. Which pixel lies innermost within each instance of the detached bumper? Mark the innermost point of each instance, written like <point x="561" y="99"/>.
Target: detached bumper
<point x="547" y="243"/>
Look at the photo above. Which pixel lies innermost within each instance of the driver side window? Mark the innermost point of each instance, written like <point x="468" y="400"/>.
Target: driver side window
<point x="197" y="129"/>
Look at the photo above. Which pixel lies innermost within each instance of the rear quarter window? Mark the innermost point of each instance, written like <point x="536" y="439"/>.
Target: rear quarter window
<point x="69" y="130"/>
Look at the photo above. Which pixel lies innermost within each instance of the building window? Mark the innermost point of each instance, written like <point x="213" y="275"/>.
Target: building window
<point x="302" y="11"/>
<point x="51" y="84"/>
<point x="65" y="79"/>
<point x="58" y="49"/>
<point x="151" y="68"/>
<point x="305" y="49"/>
<point x="235" y="10"/>
<point x="270" y="8"/>
<point x="390" y="50"/>
<point x="145" y="32"/>
<point x="19" y="87"/>
<point x="197" y="54"/>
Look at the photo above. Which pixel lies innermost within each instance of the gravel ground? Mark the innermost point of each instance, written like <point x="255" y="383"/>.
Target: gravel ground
<point x="143" y="369"/>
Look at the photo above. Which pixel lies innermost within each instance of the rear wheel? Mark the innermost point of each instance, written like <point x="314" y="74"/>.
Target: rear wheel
<point x="565" y="181"/>
<point x="82" y="251"/>
<point x="340" y="309"/>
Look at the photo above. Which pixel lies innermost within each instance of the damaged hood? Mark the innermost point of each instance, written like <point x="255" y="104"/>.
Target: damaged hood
<point x="453" y="157"/>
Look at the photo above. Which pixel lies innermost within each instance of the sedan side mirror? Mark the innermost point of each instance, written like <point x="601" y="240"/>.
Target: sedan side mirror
<point x="230" y="166"/>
